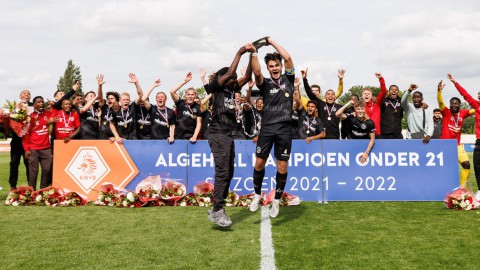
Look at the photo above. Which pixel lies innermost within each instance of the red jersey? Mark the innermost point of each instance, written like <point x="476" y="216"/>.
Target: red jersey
<point x="373" y="109"/>
<point x="37" y="137"/>
<point x="67" y="123"/>
<point x="452" y="124"/>
<point x="475" y="105"/>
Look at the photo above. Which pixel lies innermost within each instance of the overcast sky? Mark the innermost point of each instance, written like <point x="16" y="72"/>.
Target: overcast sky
<point x="408" y="41"/>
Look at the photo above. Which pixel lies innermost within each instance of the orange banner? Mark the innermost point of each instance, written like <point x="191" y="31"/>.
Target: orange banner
<point x="83" y="165"/>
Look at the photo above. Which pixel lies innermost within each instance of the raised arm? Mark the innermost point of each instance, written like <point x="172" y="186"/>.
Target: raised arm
<point x="296" y="94"/>
<point x="383" y="89"/>
<point x="88" y="105"/>
<point x="441" y="104"/>
<point x="100" y="83"/>
<point x="202" y="75"/>
<point x="155" y="84"/>
<point x="134" y="80"/>
<point x="203" y="103"/>
<point x="58" y="104"/>
<point x="340" y="113"/>
<point x="283" y="53"/>
<point x="232" y="70"/>
<point x="249" y="92"/>
<point x="173" y="91"/>
<point x="340" y="75"/>
<point x="468" y="98"/>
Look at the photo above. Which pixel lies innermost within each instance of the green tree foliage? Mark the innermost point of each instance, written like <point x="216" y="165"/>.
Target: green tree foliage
<point x="469" y="122"/>
<point x="72" y="73"/>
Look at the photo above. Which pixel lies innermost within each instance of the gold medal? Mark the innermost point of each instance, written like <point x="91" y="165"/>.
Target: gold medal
<point x="238" y="121"/>
<point x="231" y="107"/>
<point x="287" y="94"/>
<point x="125" y="125"/>
<point x="168" y="126"/>
<point x="329" y="118"/>
<point x="308" y="131"/>
<point x="141" y="126"/>
<point x="194" y="116"/>
<point x="104" y="123"/>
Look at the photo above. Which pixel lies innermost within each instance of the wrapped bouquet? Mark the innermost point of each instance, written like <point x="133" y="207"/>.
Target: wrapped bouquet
<point x="50" y="196"/>
<point x="461" y="199"/>
<point x="20" y="196"/>
<point x="172" y="191"/>
<point x="204" y="193"/>
<point x="18" y="114"/>
<point x="149" y="189"/>
<point x="109" y="195"/>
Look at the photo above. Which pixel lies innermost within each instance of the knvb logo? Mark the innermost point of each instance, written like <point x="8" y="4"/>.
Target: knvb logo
<point x="87" y="168"/>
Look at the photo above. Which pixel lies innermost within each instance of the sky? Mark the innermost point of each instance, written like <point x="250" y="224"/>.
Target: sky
<point x="407" y="41"/>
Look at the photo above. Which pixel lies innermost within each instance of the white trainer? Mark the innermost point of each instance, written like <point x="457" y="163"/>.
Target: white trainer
<point x="255" y="202"/>
<point x="275" y="208"/>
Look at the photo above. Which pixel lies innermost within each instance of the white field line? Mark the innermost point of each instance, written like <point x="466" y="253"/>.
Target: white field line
<point x="267" y="260"/>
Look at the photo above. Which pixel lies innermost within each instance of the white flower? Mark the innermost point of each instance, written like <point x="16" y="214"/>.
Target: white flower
<point x="469" y="207"/>
<point x="130" y="196"/>
<point x="38" y="198"/>
<point x="15" y="203"/>
<point x="108" y="199"/>
<point x="7" y="202"/>
<point x="463" y="205"/>
<point x="51" y="192"/>
<point x="124" y="203"/>
<point x="183" y="203"/>
<point x="207" y="199"/>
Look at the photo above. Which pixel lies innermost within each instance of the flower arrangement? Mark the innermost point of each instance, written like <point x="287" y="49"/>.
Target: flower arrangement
<point x="232" y="199"/>
<point x="20" y="196"/>
<point x="461" y="199"/>
<point x="149" y="190"/>
<point x="189" y="200"/>
<point x="49" y="196"/>
<point x="130" y="199"/>
<point x="109" y="195"/>
<point x="204" y="193"/>
<point x="18" y="114"/>
<point x="172" y="190"/>
<point x="72" y="198"/>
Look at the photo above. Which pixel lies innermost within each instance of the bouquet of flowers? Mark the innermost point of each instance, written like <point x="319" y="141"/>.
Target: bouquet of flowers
<point x="110" y="194"/>
<point x="232" y="199"/>
<point x="461" y="199"/>
<point x="20" y="196"/>
<point x="246" y="200"/>
<point x="149" y="189"/>
<point x="173" y="191"/>
<point x="188" y="200"/>
<point x="19" y="118"/>
<point x="130" y="199"/>
<point x="72" y="198"/>
<point x="204" y="193"/>
<point x="49" y="196"/>
<point x="287" y="199"/>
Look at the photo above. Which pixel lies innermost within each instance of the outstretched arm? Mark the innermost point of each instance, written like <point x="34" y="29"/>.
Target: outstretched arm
<point x="202" y="75"/>
<point x="340" y="75"/>
<point x="340" y="113"/>
<point x="203" y="106"/>
<point x="468" y="98"/>
<point x="134" y="80"/>
<point x="283" y="53"/>
<point x="441" y="104"/>
<point x="88" y="105"/>
<point x="100" y="83"/>
<point x="155" y="84"/>
<point x="383" y="89"/>
<point x="173" y="91"/>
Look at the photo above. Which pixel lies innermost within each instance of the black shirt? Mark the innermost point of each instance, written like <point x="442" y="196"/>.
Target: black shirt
<point x="125" y="119"/>
<point x="391" y="116"/>
<point x="224" y="119"/>
<point x="161" y="122"/>
<point x="206" y="121"/>
<point x="106" y="118"/>
<point x="326" y="113"/>
<point x="278" y="99"/>
<point x="360" y="129"/>
<point x="144" y="122"/>
<point x="89" y="123"/>
<point x="345" y="129"/>
<point x="186" y="119"/>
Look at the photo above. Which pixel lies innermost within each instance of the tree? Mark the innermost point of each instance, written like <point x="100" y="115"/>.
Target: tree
<point x="72" y="73"/>
<point x="201" y="93"/>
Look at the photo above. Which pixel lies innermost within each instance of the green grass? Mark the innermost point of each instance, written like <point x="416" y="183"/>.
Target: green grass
<point x="343" y="235"/>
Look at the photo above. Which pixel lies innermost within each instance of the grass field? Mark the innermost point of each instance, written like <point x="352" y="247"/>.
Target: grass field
<point x="340" y="235"/>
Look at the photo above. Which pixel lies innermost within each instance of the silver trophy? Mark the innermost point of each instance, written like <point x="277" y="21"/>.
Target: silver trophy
<point x="260" y="43"/>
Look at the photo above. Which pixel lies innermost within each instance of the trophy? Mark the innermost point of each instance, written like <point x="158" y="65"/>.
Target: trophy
<point x="260" y="43"/>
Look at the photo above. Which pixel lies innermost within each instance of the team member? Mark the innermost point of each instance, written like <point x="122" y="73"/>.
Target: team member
<point x="37" y="144"/>
<point x="326" y="109"/>
<point x="16" y="148"/>
<point x="437" y="124"/>
<point x="391" y="115"/>
<point x="362" y="127"/>
<point x="142" y="113"/>
<point x="452" y="122"/>
<point x="277" y="93"/>
<point x="256" y="112"/>
<point x="206" y="107"/>
<point x="89" y="120"/>
<point x="419" y="120"/>
<point x="476" y="106"/>
<point x="373" y="108"/>
<point x="189" y="118"/>
<point x="304" y="123"/>
<point x="67" y="122"/>
<point x="317" y="90"/>
<point x="163" y="119"/>
<point x="221" y="132"/>
<point x="344" y="124"/>
<point x="108" y="130"/>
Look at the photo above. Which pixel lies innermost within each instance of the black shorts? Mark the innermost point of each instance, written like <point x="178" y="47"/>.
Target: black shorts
<point x="278" y="134"/>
